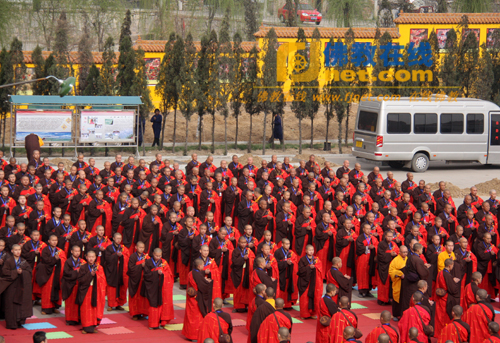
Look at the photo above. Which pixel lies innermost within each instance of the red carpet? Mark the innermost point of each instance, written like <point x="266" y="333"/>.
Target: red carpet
<point x="138" y="330"/>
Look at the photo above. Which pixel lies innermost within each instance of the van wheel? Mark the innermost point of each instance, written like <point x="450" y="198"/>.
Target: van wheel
<point x="396" y="164"/>
<point x="420" y="163"/>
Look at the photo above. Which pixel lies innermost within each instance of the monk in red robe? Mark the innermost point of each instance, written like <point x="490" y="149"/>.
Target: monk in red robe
<point x="91" y="293"/>
<point x="343" y="282"/>
<point x="415" y="317"/>
<point x="215" y="323"/>
<point x="340" y="320"/>
<point x="288" y="266"/>
<point x="327" y="308"/>
<point x="221" y="250"/>
<point x="493" y="329"/>
<point x="158" y="289"/>
<point x="198" y="300"/>
<point x="268" y="330"/>
<point x="324" y="241"/>
<point x="31" y="253"/>
<point x="48" y="276"/>
<point x="138" y="304"/>
<point x="469" y="295"/>
<point x="69" y="286"/>
<point x="98" y="243"/>
<point x="478" y="316"/>
<point x="457" y="330"/>
<point x="304" y="231"/>
<point x="185" y="243"/>
<point x="241" y="270"/>
<point x="310" y="284"/>
<point x="445" y="304"/>
<point x="366" y="251"/>
<point x="384" y="328"/>
<point x="116" y="263"/>
<point x="211" y="270"/>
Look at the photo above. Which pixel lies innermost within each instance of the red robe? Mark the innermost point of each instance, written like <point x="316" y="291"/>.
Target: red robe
<point x="193" y="315"/>
<point x="339" y="322"/>
<point x="268" y="331"/>
<point x="138" y="304"/>
<point x="306" y="309"/>
<point x="90" y="315"/>
<point x="9" y="206"/>
<point x="411" y="319"/>
<point x="324" y="310"/>
<point x="383" y="329"/>
<point x="215" y="276"/>
<point x="159" y="313"/>
<point x="451" y="331"/>
<point x="475" y="316"/>
<point x="241" y="272"/>
<point x="288" y="276"/>
<point x="468" y="297"/>
<point x="364" y="260"/>
<point x="47" y="303"/>
<point x="209" y="327"/>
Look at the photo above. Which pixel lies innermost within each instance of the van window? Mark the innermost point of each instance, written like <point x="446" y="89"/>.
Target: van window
<point x="475" y="123"/>
<point x="425" y="123"/>
<point x="367" y="121"/>
<point x="452" y="123"/>
<point x="398" y="123"/>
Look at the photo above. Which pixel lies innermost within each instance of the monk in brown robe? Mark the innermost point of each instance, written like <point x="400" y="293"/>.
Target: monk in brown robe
<point x="342" y="281"/>
<point x="304" y="228"/>
<point x="151" y="230"/>
<point x="138" y="304"/>
<point x="416" y="270"/>
<point x="116" y="261"/>
<point x="15" y="288"/>
<point x="69" y="286"/>
<point x="264" y="310"/>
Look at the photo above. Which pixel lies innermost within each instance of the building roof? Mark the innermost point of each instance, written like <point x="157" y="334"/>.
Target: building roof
<point x="447" y="18"/>
<point x="159" y="45"/>
<point x="75" y="100"/>
<point x="73" y="56"/>
<point x="326" y="32"/>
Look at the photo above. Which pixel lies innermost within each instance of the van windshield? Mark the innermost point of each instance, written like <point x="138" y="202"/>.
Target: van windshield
<point x="367" y="121"/>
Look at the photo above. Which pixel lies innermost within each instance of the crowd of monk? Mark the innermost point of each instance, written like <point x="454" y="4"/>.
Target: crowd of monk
<point x="270" y="236"/>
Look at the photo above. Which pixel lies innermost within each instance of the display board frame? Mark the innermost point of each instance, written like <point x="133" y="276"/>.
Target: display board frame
<point x="87" y="112"/>
<point x="45" y="112"/>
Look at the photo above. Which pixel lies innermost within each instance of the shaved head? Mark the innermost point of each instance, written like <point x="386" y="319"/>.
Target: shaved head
<point x="280" y="303"/>
<point x="385" y="317"/>
<point x="384" y="338"/>
<point x="344" y="302"/>
<point x="217" y="303"/>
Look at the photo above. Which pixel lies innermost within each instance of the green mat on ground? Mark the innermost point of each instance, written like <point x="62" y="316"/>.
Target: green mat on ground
<point x="355" y="306"/>
<point x="179" y="297"/>
<point x="296" y="308"/>
<point x="58" y="335"/>
<point x="296" y="321"/>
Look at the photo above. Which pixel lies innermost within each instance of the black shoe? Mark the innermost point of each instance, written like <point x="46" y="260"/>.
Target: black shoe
<point x="182" y="286"/>
<point x="361" y="295"/>
<point x="369" y="295"/>
<point x="288" y="308"/>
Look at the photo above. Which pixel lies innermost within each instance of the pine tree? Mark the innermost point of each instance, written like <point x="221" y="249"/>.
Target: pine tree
<point x="93" y="81"/>
<point x="250" y="91"/>
<point x="433" y="85"/>
<point x="39" y="63"/>
<point x="298" y="90"/>
<point x="448" y="72"/>
<point x="213" y="82"/>
<point x="328" y="97"/>
<point x="377" y="84"/>
<point x="313" y="95"/>
<point x="6" y="76"/>
<point x="62" y="69"/>
<point x="50" y="64"/>
<point x="127" y="59"/>
<point x="236" y="83"/>
<point x="484" y="78"/>
<point x="273" y="102"/>
<point x="85" y="59"/>
<point x="107" y="83"/>
<point x="164" y="87"/>
<point x="251" y="14"/>
<point x="16" y="54"/>
<point x="226" y="71"/>
<point x="385" y="16"/>
<point x="187" y="85"/>
<point x="291" y="20"/>
<point x="467" y="62"/>
<point x="202" y="74"/>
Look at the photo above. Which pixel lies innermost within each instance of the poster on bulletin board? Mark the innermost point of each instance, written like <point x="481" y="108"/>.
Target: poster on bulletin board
<point x="107" y="126"/>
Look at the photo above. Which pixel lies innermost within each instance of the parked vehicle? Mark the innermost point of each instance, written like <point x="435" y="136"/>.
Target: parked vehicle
<point x="407" y="133"/>
<point x="305" y="13"/>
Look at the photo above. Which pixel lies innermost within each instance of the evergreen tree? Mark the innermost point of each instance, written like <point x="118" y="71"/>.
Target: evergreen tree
<point x="339" y="96"/>
<point x="107" y="83"/>
<point x="202" y="73"/>
<point x="236" y="83"/>
<point x="442" y="6"/>
<point x="50" y="64"/>
<point x="298" y="89"/>
<point x="226" y="71"/>
<point x="328" y="95"/>
<point x="213" y="82"/>
<point x="140" y="88"/>
<point x="85" y="59"/>
<point x="473" y="6"/>
<point x="93" y="81"/>
<point x="17" y="57"/>
<point x="312" y="100"/>
<point x="385" y="17"/>
<point x="39" y="63"/>
<point x="483" y="83"/>
<point x="127" y="59"/>
<point x="250" y="91"/>
<point x="495" y="59"/>
<point x="6" y="76"/>
<point x="448" y="72"/>
<point x="187" y="86"/>
<point x="467" y="62"/>
<point x="62" y="67"/>
<point x="291" y="20"/>
<point x="165" y="87"/>
<point x="377" y="84"/>
<point x="434" y="68"/>
<point x="273" y="101"/>
<point x="346" y="12"/>
<point x="251" y="14"/>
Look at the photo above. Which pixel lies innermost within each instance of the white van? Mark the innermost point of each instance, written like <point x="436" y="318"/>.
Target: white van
<point x="412" y="133"/>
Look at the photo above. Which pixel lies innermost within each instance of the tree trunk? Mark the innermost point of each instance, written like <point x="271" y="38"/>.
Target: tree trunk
<point x="143" y="142"/>
<point x="3" y="134"/>
<point x="163" y="129"/>
<point x="346" y="126"/>
<point x="340" y="137"/>
<point x="300" y="135"/>
<point x="1" y="123"/>
<point x="264" y="135"/>
<point x="327" y="127"/>
<point x="272" y="133"/>
<point x="249" y="148"/>
<point x="225" y="134"/>
<point x="236" y="133"/>
<point x="186" y="141"/>
<point x="212" y="149"/>
<point x="200" y="127"/>
<point x="283" y="125"/>
<point x="175" y="127"/>
<point x="312" y="132"/>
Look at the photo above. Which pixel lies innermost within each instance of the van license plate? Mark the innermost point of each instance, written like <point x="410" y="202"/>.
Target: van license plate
<point x="359" y="144"/>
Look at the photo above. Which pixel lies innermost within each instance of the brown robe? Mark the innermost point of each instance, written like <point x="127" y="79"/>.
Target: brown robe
<point x="414" y="267"/>
<point x="258" y="317"/>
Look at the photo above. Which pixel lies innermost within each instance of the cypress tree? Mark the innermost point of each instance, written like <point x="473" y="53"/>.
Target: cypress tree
<point x="448" y="72"/>
<point x="93" y="81"/>
<point x="17" y="56"/>
<point x="379" y="66"/>
<point x="39" y="69"/>
<point x="50" y="64"/>
<point x="291" y="20"/>
<point x="62" y="66"/>
<point x="298" y="90"/>
<point x="140" y="88"/>
<point x="484" y="78"/>
<point x="467" y="62"/>
<point x="251" y="13"/>
<point x="127" y="59"/>
<point x="213" y="82"/>
<point x="6" y="76"/>
<point x="107" y="83"/>
<point x="187" y="86"/>
<point x="226" y="67"/>
<point x="236" y="83"/>
<point x="328" y="93"/>
<point x="202" y="73"/>
<point x="85" y="59"/>
<point x="313" y="95"/>
<point x="250" y="91"/>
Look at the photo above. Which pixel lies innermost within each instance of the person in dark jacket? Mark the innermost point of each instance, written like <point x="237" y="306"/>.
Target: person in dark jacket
<point x="278" y="128"/>
<point x="156" y="120"/>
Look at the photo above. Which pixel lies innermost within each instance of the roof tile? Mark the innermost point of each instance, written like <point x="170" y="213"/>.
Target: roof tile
<point x="447" y="18"/>
<point x="326" y="32"/>
<point x="73" y="56"/>
<point x="159" y="45"/>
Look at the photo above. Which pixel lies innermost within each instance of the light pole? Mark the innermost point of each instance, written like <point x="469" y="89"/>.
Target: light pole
<point x="64" y="89"/>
